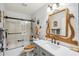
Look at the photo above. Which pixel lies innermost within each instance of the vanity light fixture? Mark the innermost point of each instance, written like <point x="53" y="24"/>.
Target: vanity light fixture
<point x="52" y="6"/>
<point x="49" y="9"/>
<point x="55" y="6"/>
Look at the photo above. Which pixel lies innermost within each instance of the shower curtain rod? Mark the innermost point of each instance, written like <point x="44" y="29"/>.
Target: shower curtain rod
<point x="18" y="19"/>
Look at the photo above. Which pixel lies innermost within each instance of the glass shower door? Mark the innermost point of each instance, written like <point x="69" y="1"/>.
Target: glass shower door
<point x="13" y="33"/>
<point x="26" y="32"/>
<point x="18" y="33"/>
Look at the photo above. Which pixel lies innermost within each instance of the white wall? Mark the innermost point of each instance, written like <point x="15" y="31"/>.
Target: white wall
<point x="1" y="9"/>
<point x="1" y="6"/>
<point x="78" y="20"/>
<point x="73" y="8"/>
<point x="41" y="14"/>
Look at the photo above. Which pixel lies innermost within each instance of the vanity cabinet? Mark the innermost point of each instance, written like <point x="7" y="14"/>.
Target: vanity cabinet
<point x="44" y="53"/>
<point x="36" y="50"/>
<point x="39" y="51"/>
<point x="44" y="48"/>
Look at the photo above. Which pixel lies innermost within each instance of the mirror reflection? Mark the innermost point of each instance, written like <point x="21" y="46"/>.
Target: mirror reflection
<point x="58" y="23"/>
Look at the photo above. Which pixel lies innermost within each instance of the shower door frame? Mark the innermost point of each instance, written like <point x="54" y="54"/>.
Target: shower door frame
<point x="7" y="17"/>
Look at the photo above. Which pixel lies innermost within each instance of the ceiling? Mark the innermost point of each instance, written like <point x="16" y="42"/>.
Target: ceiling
<point x="26" y="8"/>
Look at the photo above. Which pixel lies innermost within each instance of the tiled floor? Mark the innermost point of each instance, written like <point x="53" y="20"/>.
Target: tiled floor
<point x="13" y="52"/>
<point x="16" y="52"/>
<point x="1" y="54"/>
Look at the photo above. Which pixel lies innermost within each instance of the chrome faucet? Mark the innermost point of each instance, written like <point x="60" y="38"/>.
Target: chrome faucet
<point x="54" y="41"/>
<point x="57" y="43"/>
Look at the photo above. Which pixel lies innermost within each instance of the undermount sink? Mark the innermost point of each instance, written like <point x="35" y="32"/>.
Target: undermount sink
<point x="54" y="46"/>
<point x="50" y="45"/>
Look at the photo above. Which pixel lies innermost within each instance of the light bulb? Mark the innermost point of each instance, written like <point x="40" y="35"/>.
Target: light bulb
<point x="48" y="9"/>
<point x="54" y="6"/>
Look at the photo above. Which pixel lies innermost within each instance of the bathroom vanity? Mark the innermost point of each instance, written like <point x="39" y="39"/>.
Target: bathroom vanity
<point x="46" y="48"/>
<point x="60" y="27"/>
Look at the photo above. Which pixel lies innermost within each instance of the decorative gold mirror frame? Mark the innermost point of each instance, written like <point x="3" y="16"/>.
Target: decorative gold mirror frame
<point x="65" y="39"/>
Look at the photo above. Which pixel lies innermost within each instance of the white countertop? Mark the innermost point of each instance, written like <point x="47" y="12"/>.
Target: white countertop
<point x="59" y="51"/>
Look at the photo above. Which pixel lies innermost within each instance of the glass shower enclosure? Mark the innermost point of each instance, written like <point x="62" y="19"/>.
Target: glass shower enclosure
<point x="18" y="33"/>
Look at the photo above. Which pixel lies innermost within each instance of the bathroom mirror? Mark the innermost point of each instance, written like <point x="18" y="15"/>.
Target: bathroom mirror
<point x="59" y="26"/>
<point x="58" y="23"/>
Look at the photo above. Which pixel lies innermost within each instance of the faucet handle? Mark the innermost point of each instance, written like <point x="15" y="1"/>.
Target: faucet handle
<point x="54" y="41"/>
<point x="57" y="43"/>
